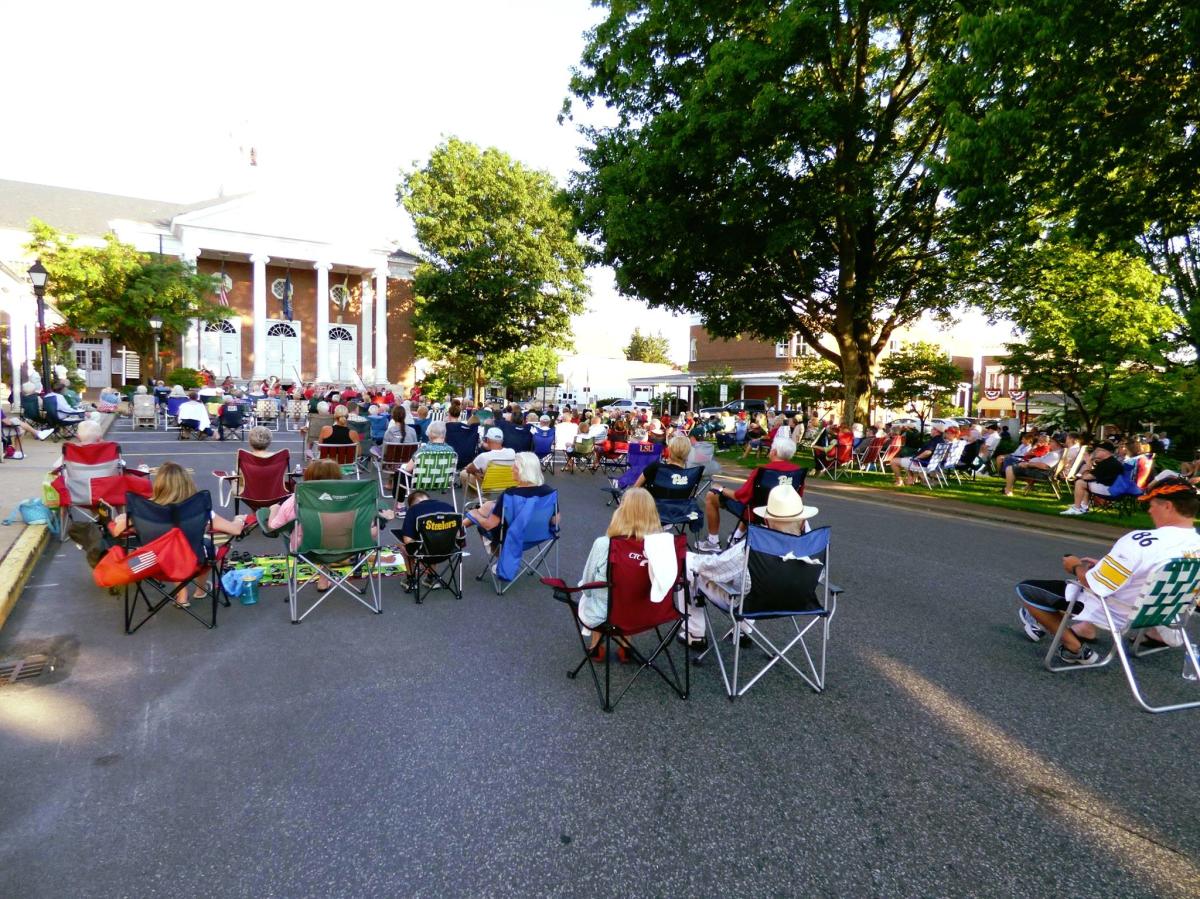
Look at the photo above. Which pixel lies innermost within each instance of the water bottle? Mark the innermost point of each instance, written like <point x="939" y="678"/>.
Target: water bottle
<point x="249" y="590"/>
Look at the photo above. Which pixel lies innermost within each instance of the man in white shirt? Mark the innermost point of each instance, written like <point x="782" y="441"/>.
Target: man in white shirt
<point x="1119" y="577"/>
<point x="1039" y="468"/>
<point x="194" y="414"/>
<point x="496" y="452"/>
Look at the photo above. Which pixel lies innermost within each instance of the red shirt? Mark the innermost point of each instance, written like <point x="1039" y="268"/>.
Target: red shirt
<point x="745" y="493"/>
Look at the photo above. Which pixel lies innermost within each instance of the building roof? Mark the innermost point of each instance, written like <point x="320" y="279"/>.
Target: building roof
<point x="84" y="213"/>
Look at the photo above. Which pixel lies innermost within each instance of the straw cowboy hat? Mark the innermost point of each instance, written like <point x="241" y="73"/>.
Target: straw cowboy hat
<point x="785" y="504"/>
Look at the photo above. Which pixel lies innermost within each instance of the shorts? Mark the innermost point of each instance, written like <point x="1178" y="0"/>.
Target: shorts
<point x="909" y="463"/>
<point x="1098" y="489"/>
<point x="732" y="505"/>
<point x="1053" y="596"/>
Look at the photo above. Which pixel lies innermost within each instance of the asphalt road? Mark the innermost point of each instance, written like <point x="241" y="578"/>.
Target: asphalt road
<point x="440" y="750"/>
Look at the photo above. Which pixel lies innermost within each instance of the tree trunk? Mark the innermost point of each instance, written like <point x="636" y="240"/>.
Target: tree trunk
<point x="858" y="362"/>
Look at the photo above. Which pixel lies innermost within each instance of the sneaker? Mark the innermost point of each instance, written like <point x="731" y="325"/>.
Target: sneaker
<point x="1074" y="510"/>
<point x="1084" y="657"/>
<point x="17" y="455"/>
<point x="1033" y="630"/>
<point x="44" y="433"/>
<point x="708" y="545"/>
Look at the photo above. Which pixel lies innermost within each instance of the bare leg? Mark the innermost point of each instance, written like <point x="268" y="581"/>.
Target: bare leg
<point x="712" y="513"/>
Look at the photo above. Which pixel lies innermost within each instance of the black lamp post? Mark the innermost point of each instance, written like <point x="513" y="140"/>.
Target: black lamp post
<point x="38" y="275"/>
<point x="156" y="323"/>
<point x="479" y="380"/>
<point x="545" y="375"/>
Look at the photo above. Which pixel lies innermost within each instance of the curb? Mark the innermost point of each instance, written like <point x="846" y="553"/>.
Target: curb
<point x="18" y="563"/>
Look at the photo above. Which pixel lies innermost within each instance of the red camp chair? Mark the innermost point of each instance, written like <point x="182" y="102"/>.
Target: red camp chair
<point x="892" y="451"/>
<point x="871" y="455"/>
<point x="394" y="457"/>
<point x="259" y="482"/>
<point x="630" y="613"/>
<point x="93" y="474"/>
<point x="344" y="454"/>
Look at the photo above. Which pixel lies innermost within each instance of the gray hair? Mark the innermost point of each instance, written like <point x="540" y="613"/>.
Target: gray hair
<point x="141" y="389"/>
<point x="529" y="469"/>
<point x="28" y="387"/>
<point x="88" y="431"/>
<point x="436" y="430"/>
<point x="784" y="447"/>
<point x="259" y="437"/>
<point x="322" y="408"/>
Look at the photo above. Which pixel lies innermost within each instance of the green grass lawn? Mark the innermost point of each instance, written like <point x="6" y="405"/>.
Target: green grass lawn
<point x="984" y="491"/>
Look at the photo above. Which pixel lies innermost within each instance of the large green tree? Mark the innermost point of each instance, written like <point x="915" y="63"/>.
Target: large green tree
<point x="771" y="166"/>
<point x="115" y="289"/>
<point x="921" y="377"/>
<point x="648" y="347"/>
<point x="811" y="379"/>
<point x="1092" y="326"/>
<point x="1083" y="112"/>
<point x="502" y="267"/>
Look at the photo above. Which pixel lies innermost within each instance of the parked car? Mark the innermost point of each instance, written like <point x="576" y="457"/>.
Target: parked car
<point x="749" y="406"/>
<point x="627" y="406"/>
<point x="941" y="423"/>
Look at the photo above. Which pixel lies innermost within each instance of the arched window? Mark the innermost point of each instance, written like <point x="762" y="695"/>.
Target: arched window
<point x="340" y="334"/>
<point x="279" y="329"/>
<point x="224" y="326"/>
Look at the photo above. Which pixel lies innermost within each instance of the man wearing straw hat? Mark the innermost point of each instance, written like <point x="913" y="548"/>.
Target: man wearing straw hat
<point x="720" y="575"/>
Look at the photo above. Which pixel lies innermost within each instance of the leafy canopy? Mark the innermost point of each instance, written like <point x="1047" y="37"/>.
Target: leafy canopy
<point x="502" y="268"/>
<point x="771" y="166"/>
<point x="708" y="387"/>
<point x="648" y="348"/>
<point x="921" y="376"/>
<point x="811" y="378"/>
<point x="114" y="289"/>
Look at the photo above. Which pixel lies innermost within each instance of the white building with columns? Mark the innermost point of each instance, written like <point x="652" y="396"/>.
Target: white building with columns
<point x="348" y="291"/>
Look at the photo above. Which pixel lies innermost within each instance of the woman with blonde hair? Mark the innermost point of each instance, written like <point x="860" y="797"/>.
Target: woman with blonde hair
<point x="678" y="450"/>
<point x="339" y="432"/>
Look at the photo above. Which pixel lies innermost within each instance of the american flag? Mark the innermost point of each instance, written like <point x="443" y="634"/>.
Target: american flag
<point x="222" y="294"/>
<point x="142" y="561"/>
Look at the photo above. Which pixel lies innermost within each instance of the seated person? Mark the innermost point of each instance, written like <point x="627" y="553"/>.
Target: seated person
<point x="1023" y="449"/>
<point x="987" y="451"/>
<point x="259" y="439"/>
<point x="494" y="451"/>
<point x="110" y="399"/>
<point x="173" y="484"/>
<point x="823" y="455"/>
<point x="340" y="432"/>
<point x="1039" y="467"/>
<point x="194" y="414"/>
<point x="12" y="421"/>
<point x="756" y="432"/>
<point x="417" y="503"/>
<point x="636" y="518"/>
<point x="678" y="451"/>
<point x="778" y="459"/>
<point x="719" y="574"/>
<point x="64" y="407"/>
<point x="1119" y="577"/>
<point x="378" y="422"/>
<point x="920" y="460"/>
<point x="527" y="470"/>
<point x="435" y="434"/>
<point x="1097" y="477"/>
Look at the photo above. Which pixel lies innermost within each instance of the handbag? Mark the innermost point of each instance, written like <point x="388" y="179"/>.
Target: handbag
<point x="167" y="558"/>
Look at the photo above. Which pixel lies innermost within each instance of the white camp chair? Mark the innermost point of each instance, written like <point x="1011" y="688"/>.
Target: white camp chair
<point x="1167" y="601"/>
<point x="145" y="411"/>
<point x="932" y="468"/>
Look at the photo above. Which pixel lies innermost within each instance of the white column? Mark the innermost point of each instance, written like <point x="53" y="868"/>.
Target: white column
<point x="323" y="373"/>
<point x="364" y="340"/>
<point x="381" y="346"/>
<point x="260" y="261"/>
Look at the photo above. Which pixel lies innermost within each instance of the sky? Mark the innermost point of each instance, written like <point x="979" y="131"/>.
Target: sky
<point x="164" y="100"/>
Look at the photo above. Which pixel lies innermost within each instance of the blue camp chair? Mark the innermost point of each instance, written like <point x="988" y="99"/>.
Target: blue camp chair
<point x="528" y="534"/>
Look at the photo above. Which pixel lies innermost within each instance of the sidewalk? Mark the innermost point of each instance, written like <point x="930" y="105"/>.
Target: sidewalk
<point x="21" y="545"/>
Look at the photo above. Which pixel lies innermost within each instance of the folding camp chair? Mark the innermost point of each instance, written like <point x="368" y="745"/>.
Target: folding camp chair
<point x="266" y="413"/>
<point x="613" y="457"/>
<point x="631" y="611"/>
<point x="64" y="424"/>
<point x="783" y="584"/>
<point x="391" y="460"/>
<point x="337" y="522"/>
<point x="581" y="449"/>
<point x="433" y="470"/>
<point x="314" y="426"/>
<point x="232" y="420"/>
<point x="543" y="448"/>
<point x="145" y="411"/>
<point x="838" y="457"/>
<point x="869" y="458"/>
<point x="516" y="437"/>
<point x="765" y="480"/>
<point x="1050" y="477"/>
<point x="936" y="458"/>
<point x="528" y="534"/>
<point x="147" y="522"/>
<point x="464" y="440"/>
<point x="895" y="445"/>
<point x="32" y="411"/>
<point x="677" y="512"/>
<point x="639" y="456"/>
<point x="297" y="414"/>
<point x="496" y="479"/>
<point x="259" y="482"/>
<point x="437" y="553"/>
<point x="171" y="411"/>
<point x="950" y="463"/>
<point x="565" y="433"/>
<point x="344" y="454"/>
<point x="1167" y="601"/>
<point x="92" y="474"/>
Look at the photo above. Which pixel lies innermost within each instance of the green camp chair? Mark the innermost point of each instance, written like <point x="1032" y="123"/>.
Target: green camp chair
<point x="1167" y="601"/>
<point x="434" y="470"/>
<point x="336" y="520"/>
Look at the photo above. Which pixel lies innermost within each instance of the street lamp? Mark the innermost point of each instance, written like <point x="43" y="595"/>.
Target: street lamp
<point x="38" y="275"/>
<point x="156" y="323"/>
<point x="545" y="375"/>
<point x="479" y="380"/>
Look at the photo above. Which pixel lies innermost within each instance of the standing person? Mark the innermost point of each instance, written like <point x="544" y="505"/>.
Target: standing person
<point x="1119" y="577"/>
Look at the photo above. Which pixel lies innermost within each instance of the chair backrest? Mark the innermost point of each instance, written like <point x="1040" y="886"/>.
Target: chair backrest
<point x="143" y="405"/>
<point x="379" y="423"/>
<point x="297" y="408"/>
<point x="266" y="409"/>
<point x="844" y="451"/>
<point x="396" y="454"/>
<point x="464" y="440"/>
<point x="583" y="445"/>
<point x="173" y="404"/>
<point x="528" y="518"/>
<point x="565" y="433"/>
<point x="31" y="406"/>
<point x="434" y="469"/>
<point x="543" y="442"/>
<point x="938" y="457"/>
<point x="336" y="516"/>
<point x="83" y="462"/>
<point x="341" y="453"/>
<point x="639" y="456"/>
<point x="969" y="453"/>
<point x="893" y="448"/>
<point x="873" y="450"/>
<point x="192" y="516"/>
<point x="1171" y="591"/>
<point x="439" y="535"/>
<point x="781" y="582"/>
<point x="361" y="428"/>
<point x="262" y="480"/>
<point x="702" y="453"/>
<point x="675" y="483"/>
<point x="954" y="453"/>
<point x="516" y="437"/>
<point x="767" y="479"/>
<point x="497" y="478"/>
<point x="232" y="415"/>
<point x="630" y="608"/>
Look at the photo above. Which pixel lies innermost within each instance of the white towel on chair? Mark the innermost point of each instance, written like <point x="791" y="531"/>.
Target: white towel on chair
<point x="659" y="550"/>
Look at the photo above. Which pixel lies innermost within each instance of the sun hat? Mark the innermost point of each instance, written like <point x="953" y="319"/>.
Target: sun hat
<point x="495" y="434"/>
<point x="785" y="504"/>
